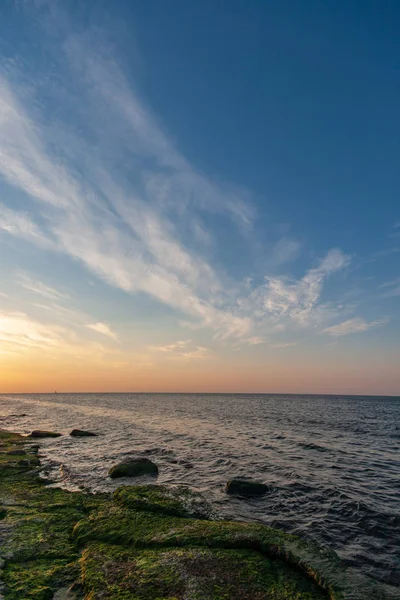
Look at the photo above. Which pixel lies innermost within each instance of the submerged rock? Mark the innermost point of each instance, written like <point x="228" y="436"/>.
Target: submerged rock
<point x="38" y="433"/>
<point x="246" y="487"/>
<point x="134" y="468"/>
<point x="81" y="433"/>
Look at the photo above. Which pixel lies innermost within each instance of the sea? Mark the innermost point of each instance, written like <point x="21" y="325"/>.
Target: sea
<point x="332" y="463"/>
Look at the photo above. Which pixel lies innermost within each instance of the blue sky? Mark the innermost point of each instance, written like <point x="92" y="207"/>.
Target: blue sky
<point x="189" y="187"/>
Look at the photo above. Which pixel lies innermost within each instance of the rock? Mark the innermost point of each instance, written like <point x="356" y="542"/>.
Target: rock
<point x="16" y="453"/>
<point x="134" y="468"/>
<point x="81" y="433"/>
<point x="246" y="487"/>
<point x="43" y="434"/>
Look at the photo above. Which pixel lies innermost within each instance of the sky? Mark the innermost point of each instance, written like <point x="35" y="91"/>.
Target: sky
<point x="200" y="196"/>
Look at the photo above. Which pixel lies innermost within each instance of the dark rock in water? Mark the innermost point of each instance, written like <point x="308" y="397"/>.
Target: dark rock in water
<point x="81" y="433"/>
<point x="43" y="434"/>
<point x="134" y="468"/>
<point x="16" y="452"/>
<point x="246" y="487"/>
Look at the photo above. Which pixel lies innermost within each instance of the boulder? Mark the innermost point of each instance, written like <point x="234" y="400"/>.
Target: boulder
<point x="134" y="468"/>
<point x="81" y="433"/>
<point x="246" y="487"/>
<point x="16" y="452"/>
<point x="43" y="434"/>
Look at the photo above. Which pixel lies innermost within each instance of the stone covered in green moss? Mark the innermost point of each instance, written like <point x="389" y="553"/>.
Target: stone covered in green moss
<point x="179" y="501"/>
<point x="195" y="573"/>
<point x="36" y="543"/>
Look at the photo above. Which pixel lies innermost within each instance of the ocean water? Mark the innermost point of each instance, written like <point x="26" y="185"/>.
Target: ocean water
<point x="332" y="463"/>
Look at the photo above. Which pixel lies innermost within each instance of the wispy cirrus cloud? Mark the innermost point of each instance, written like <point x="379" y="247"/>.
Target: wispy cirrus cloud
<point x="179" y="345"/>
<point x="183" y="350"/>
<point x="18" y="330"/>
<point x="38" y="287"/>
<point x="102" y="328"/>
<point x="255" y="341"/>
<point x="22" y="225"/>
<point x="196" y="353"/>
<point x="356" y="325"/>
<point x="391" y="288"/>
<point x="281" y="300"/>
<point x="22" y="334"/>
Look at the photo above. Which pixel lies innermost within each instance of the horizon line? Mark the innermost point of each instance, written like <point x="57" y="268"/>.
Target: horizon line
<point x="352" y="395"/>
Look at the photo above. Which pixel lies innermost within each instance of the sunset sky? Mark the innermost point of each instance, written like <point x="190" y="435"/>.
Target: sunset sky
<point x="200" y="196"/>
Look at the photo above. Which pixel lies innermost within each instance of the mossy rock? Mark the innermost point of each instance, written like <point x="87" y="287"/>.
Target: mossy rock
<point x="179" y="501"/>
<point x="82" y="433"/>
<point x="111" y="573"/>
<point x="134" y="468"/>
<point x="246" y="487"/>
<point x="38" y="433"/>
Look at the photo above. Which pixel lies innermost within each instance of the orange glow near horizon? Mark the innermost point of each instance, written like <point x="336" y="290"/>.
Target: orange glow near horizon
<point x="36" y="372"/>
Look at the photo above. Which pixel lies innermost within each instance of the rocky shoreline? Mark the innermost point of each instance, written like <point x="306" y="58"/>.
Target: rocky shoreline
<point x="142" y="542"/>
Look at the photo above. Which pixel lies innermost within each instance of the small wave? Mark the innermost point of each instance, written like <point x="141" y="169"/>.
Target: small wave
<point x="311" y="446"/>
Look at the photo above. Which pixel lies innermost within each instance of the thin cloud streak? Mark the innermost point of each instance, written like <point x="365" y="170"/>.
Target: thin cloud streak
<point x="103" y="329"/>
<point x="356" y="325"/>
<point x="183" y="350"/>
<point x="37" y="287"/>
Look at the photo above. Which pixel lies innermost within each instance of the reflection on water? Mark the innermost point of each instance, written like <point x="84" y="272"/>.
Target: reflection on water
<point x="332" y="462"/>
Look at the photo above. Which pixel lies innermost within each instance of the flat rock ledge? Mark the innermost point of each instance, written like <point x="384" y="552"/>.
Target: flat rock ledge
<point x="145" y="543"/>
<point x="134" y="468"/>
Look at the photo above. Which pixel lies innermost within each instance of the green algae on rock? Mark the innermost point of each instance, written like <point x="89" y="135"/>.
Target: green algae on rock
<point x="134" y="468"/>
<point x="178" y="502"/>
<point x="144" y="543"/>
<point x="195" y="573"/>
